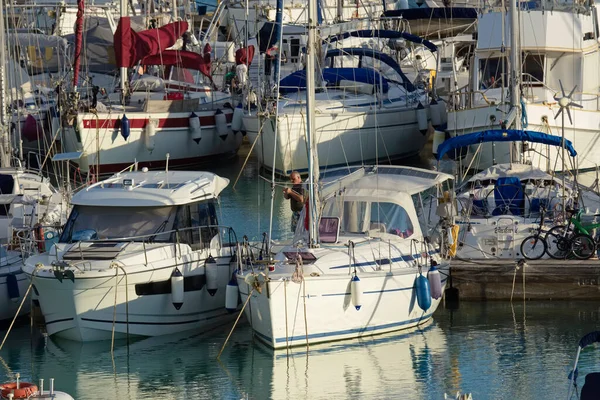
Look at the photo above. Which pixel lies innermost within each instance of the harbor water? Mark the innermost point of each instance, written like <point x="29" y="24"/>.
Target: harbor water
<point x="494" y="350"/>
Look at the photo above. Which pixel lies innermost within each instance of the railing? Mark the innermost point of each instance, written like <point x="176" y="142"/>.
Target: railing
<point x="464" y="98"/>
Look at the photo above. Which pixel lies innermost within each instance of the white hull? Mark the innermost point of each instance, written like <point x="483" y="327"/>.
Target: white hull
<point x="84" y="310"/>
<point x="388" y="304"/>
<point x="583" y="133"/>
<point x="100" y="139"/>
<point x="343" y="138"/>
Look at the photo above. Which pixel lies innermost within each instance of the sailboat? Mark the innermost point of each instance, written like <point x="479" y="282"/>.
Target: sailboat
<point x="366" y="111"/>
<point x="31" y="211"/>
<point x="359" y="264"/>
<point x="183" y="130"/>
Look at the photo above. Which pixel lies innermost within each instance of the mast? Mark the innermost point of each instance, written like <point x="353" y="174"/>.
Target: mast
<point x="5" y="149"/>
<point x="277" y="34"/>
<point x="515" y="61"/>
<point x="313" y="165"/>
<point x="123" y="70"/>
<point x="78" y="43"/>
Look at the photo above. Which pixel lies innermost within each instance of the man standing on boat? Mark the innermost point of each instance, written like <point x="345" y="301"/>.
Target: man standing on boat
<point x="296" y="196"/>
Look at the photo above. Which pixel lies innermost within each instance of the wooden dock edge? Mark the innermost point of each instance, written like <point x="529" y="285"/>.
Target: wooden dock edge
<point x="538" y="280"/>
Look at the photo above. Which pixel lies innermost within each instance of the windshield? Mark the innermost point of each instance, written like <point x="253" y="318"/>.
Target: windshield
<point x="363" y="216"/>
<point x="102" y="223"/>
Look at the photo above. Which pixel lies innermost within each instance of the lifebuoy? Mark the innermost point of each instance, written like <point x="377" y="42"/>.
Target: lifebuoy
<point x="24" y="391"/>
<point x="39" y="237"/>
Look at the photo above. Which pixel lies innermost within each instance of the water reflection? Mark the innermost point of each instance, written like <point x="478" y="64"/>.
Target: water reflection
<point x="493" y="350"/>
<point x="411" y="363"/>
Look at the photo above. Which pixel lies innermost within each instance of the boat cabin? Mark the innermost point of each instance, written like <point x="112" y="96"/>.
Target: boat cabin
<point x="383" y="202"/>
<point x="151" y="207"/>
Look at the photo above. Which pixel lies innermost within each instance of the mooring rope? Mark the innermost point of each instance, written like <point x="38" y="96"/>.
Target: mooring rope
<point x="236" y="321"/>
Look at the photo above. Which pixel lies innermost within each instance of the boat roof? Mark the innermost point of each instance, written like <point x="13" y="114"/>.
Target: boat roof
<point x="152" y="189"/>
<point x="521" y="171"/>
<point x="374" y="181"/>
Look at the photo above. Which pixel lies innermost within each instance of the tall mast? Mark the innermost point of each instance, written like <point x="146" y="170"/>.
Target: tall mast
<point x="277" y="34"/>
<point x="123" y="70"/>
<point x="313" y="165"/>
<point x="515" y="61"/>
<point x="78" y="43"/>
<point x="5" y="150"/>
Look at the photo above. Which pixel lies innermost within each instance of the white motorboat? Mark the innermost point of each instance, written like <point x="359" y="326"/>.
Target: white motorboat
<point x="141" y="254"/>
<point x="364" y="276"/>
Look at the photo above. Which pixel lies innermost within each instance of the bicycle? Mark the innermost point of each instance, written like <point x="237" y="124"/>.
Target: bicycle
<point x="573" y="238"/>
<point x="533" y="247"/>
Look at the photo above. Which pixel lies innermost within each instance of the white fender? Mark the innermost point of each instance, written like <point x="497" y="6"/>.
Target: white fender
<point x="238" y="119"/>
<point x="195" y="129"/>
<point x="436" y="116"/>
<point x="149" y="133"/>
<point x="356" y="292"/>
<point x="212" y="274"/>
<point x="231" y="295"/>
<point x="221" y="124"/>
<point x="177" y="288"/>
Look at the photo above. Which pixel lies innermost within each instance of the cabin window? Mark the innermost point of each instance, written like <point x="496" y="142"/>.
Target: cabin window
<point x="197" y="224"/>
<point x="190" y="284"/>
<point x="493" y="70"/>
<point x="7" y="186"/>
<point x="295" y="49"/>
<point x="104" y="223"/>
<point x="533" y="68"/>
<point x="391" y="218"/>
<point x="362" y="216"/>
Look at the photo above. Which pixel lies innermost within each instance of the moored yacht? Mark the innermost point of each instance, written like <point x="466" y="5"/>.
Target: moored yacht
<point x="31" y="214"/>
<point x="366" y="111"/>
<point x="141" y="254"/>
<point x="367" y="273"/>
<point x="499" y="207"/>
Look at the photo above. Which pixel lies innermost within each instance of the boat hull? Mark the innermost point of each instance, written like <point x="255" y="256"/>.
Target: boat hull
<point x="583" y="134"/>
<point x="86" y="308"/>
<point x="343" y="138"/>
<point x="287" y="314"/>
<point x="105" y="150"/>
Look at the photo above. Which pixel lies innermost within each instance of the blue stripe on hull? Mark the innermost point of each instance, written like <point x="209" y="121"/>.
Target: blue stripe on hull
<point x="339" y="335"/>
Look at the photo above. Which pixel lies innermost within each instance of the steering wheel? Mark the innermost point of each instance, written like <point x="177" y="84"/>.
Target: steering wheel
<point x="505" y="208"/>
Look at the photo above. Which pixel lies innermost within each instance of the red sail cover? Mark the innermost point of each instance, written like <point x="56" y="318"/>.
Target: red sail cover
<point x="244" y="55"/>
<point x="131" y="46"/>
<point x="183" y="59"/>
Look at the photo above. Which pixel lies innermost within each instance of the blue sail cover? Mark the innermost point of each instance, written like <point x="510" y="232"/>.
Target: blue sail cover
<point x="385" y="34"/>
<point x="297" y="80"/>
<point x="508" y="135"/>
<point x="365" y="52"/>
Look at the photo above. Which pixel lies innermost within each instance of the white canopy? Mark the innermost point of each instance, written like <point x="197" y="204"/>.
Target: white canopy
<point x="521" y="171"/>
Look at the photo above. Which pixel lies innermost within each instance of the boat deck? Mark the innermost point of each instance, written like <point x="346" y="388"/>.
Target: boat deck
<point x="539" y="280"/>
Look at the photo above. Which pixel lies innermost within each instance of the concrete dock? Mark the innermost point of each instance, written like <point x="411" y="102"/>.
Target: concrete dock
<point x="537" y="280"/>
